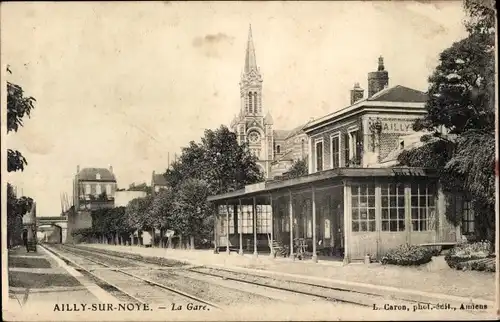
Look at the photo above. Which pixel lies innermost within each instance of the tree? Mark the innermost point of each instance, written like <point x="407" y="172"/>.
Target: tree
<point x="299" y="168"/>
<point x="219" y="160"/>
<point x="140" y="187"/>
<point x="18" y="106"/>
<point x="16" y="209"/>
<point x="191" y="209"/>
<point x="461" y="118"/>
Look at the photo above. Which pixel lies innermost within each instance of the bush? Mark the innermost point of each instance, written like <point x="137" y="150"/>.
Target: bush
<point x="408" y="255"/>
<point x="472" y="256"/>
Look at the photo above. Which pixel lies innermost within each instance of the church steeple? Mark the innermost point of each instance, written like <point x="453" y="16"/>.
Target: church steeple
<point x="250" y="60"/>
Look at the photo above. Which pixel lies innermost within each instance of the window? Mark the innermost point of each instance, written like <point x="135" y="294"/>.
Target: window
<point x="363" y="207"/>
<point x="319" y="156"/>
<point x="335" y="145"/>
<point x="303" y="148"/>
<point x="327" y="228"/>
<point x="309" y="228"/>
<point x="98" y="189"/>
<point x="108" y="189"/>
<point x="87" y="189"/>
<point x="98" y="176"/>
<point x="347" y="151"/>
<point x="250" y="102"/>
<point x="278" y="148"/>
<point x="468" y="218"/>
<point x="285" y="219"/>
<point x="255" y="102"/>
<point x="263" y="219"/>
<point x="393" y="207"/>
<point x="223" y="219"/>
<point x="422" y="206"/>
<point x="246" y="219"/>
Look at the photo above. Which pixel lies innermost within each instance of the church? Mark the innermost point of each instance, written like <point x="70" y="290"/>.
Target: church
<point x="275" y="149"/>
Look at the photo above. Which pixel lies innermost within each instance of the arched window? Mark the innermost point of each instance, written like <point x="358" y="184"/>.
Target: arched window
<point x="255" y="102"/>
<point x="250" y="102"/>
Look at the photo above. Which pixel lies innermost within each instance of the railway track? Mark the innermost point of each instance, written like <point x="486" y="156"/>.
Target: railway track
<point x="245" y="280"/>
<point x="138" y="288"/>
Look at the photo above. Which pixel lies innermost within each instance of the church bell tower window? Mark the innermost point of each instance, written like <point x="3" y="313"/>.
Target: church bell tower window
<point x="250" y="102"/>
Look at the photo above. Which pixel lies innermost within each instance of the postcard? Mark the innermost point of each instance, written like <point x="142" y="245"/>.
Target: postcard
<point x="249" y="161"/>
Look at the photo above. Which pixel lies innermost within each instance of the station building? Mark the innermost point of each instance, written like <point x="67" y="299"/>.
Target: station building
<point x="355" y="201"/>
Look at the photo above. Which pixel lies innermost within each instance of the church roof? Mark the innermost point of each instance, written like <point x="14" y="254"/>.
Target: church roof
<point x="399" y="93"/>
<point x="280" y="134"/>
<point x="250" y="59"/>
<point x="297" y="130"/>
<point x="90" y="174"/>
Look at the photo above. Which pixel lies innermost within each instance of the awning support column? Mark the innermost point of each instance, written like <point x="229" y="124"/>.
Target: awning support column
<point x="314" y="255"/>
<point x="271" y="246"/>
<point x="290" y="226"/>
<point x="254" y="210"/>
<point x="227" y="228"/>
<point x="240" y="212"/>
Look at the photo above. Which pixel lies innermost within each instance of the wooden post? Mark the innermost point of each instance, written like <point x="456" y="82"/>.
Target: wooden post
<point x="240" y="225"/>
<point x="227" y="228"/>
<point x="290" y="226"/>
<point x="313" y="201"/>
<point x="272" y="226"/>
<point x="254" y="227"/>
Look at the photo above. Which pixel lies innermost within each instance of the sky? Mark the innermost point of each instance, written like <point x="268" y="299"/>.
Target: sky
<point x="129" y="84"/>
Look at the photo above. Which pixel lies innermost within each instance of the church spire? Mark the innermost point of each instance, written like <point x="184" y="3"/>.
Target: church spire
<point x="250" y="61"/>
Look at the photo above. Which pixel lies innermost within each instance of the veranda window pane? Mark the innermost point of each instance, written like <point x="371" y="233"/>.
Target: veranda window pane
<point x="415" y="225"/>
<point x="401" y="225"/>
<point x="401" y="201"/>
<point x="393" y="189"/>
<point x="355" y="214"/>
<point x="423" y="225"/>
<point x="371" y="213"/>
<point x="401" y="213"/>
<point x="385" y="201"/>
<point x="385" y="225"/>
<point x="394" y="214"/>
<point x="355" y="202"/>
<point x="363" y="226"/>
<point x="414" y="213"/>
<point x="385" y="213"/>
<point x="414" y="201"/>
<point x="355" y="226"/>
<point x="371" y="201"/>
<point x="372" y="225"/>
<point x="394" y="226"/>
<point x="401" y="189"/>
<point x="392" y="201"/>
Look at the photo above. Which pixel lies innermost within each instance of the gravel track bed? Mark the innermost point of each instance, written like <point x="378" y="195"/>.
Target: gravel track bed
<point x="329" y="294"/>
<point x="214" y="293"/>
<point x="111" y="261"/>
<point x="162" y="261"/>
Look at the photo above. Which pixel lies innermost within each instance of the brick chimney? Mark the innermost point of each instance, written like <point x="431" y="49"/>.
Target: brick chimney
<point x="357" y="93"/>
<point x="77" y="169"/>
<point x="378" y="80"/>
<point x="111" y="169"/>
